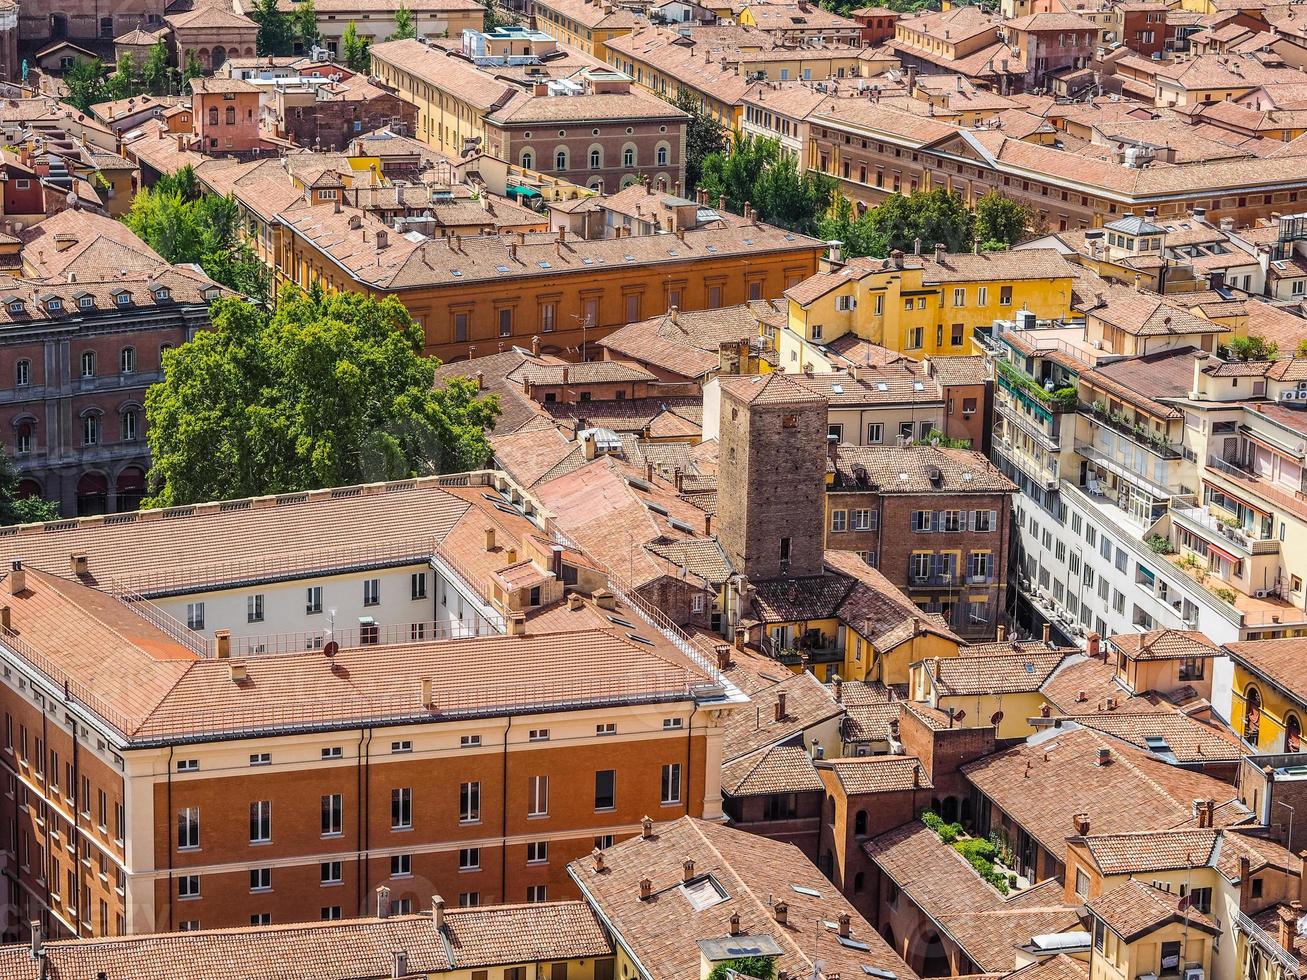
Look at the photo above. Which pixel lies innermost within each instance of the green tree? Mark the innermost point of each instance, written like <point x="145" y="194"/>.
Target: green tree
<point x="85" y="84"/>
<point x="123" y="82"/>
<point x="495" y="17"/>
<point x="304" y="24"/>
<point x="192" y="69"/>
<point x="16" y="508"/>
<point x="328" y="390"/>
<point x="1000" y="221"/>
<point x="761" y="967"/>
<point x="1302" y="348"/>
<point x="704" y="136"/>
<point x="276" y="33"/>
<point x="156" y="76"/>
<point x="183" y="224"/>
<point x="354" y="49"/>
<point x="404" y="28"/>
<point x="756" y="172"/>
<point x="1250" y="349"/>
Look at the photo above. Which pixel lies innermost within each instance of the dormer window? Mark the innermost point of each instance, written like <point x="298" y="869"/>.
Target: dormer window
<point x="211" y="293"/>
<point x="16" y="306"/>
<point x="54" y="305"/>
<point x="123" y="298"/>
<point x="86" y="302"/>
<point x="162" y="293"/>
<point x="327" y="195"/>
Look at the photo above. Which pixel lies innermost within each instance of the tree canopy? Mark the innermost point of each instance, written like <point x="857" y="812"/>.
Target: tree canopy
<point x="1251" y="349"/>
<point x="756" y="171"/>
<point x="1000" y="222"/>
<point x="85" y="84"/>
<point x="403" y="23"/>
<point x="184" y="224"/>
<point x="704" y="136"/>
<point x="354" y="49"/>
<point x="934" y="217"/>
<point x="276" y="29"/>
<point x="156" y="76"/>
<point x="328" y="390"/>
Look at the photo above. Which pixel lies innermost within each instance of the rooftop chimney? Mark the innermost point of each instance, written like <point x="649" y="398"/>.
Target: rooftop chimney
<point x="1104" y="756"/>
<point x="17" y="578"/>
<point x="1002" y="631"/>
<point x="1094" y="645"/>
<point x="490" y="539"/>
<point x="1047" y="632"/>
<point x="598" y="856"/>
<point x="535" y="345"/>
<point x="839" y="689"/>
<point x="6" y="618"/>
<point x="780" y="706"/>
<point x="237" y="672"/>
<point x="383" y="902"/>
<point x="844" y="925"/>
<point x="722" y="650"/>
<point x="687" y="870"/>
<point x="438" y="912"/>
<point x="940" y="251"/>
<point x="646" y="827"/>
<point x="222" y="644"/>
<point x="1081" y="823"/>
<point x="428" y="693"/>
<point x="735" y="923"/>
<point x="782" y="912"/>
<point x="646" y="888"/>
<point x="740" y="634"/>
<point x="79" y="563"/>
<point x="38" y="940"/>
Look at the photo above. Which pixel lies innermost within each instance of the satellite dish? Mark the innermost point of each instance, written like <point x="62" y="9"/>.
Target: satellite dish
<point x="960" y="715"/>
<point x="996" y="717"/>
<point x="330" y="649"/>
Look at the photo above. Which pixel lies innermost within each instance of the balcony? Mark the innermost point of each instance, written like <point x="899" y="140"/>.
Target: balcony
<point x="1276" y="495"/>
<point x="1030" y="392"/>
<point x="1203" y="523"/>
<point x="1097" y="414"/>
<point x="936" y="580"/>
<point x="1048" y="438"/>
<point x="1043" y="473"/>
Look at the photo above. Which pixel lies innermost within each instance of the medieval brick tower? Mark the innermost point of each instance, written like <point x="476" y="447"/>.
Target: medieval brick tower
<point x="771" y="480"/>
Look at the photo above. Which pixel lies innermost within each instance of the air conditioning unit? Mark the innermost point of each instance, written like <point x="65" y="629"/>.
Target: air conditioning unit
<point x="1289" y="396"/>
<point x="1193" y="973"/>
<point x="1262" y="594"/>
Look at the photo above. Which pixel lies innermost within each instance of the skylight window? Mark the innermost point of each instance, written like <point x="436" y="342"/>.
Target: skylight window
<point x="804" y="890"/>
<point x="837" y="389"/>
<point x="704" y="893"/>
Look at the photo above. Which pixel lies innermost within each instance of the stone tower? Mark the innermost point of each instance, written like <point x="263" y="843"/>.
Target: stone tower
<point x="771" y="478"/>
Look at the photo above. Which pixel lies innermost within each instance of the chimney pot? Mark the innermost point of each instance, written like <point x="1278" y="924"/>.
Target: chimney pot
<point x="646" y="888"/>
<point x="383" y="902"/>
<point x="722" y="650"/>
<point x="222" y="644"/>
<point x="438" y="912"/>
<point x="535" y="345"/>
<point x="1002" y="632"/>
<point x="17" y="578"/>
<point x="782" y="912"/>
<point x="740" y="634"/>
<point x="1047" y="633"/>
<point x="780" y="706"/>
<point x="735" y="923"/>
<point x="490" y="539"/>
<point x="646" y="828"/>
<point x="598" y="856"/>
<point x="844" y="925"/>
<point x="687" y="870"/>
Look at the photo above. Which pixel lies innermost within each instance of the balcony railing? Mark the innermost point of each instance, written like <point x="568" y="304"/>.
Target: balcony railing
<point x="1268" y="945"/>
<point x="1137" y="434"/>
<point x="1048" y="437"/>
<point x="1251" y="542"/>
<point x="1030" y="390"/>
<point x="939" y="578"/>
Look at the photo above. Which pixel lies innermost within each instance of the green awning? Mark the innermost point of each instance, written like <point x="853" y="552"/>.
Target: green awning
<point x="523" y="191"/>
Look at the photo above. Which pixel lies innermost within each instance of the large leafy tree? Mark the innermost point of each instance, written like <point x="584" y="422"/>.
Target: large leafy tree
<point x="1251" y="348"/>
<point x="276" y="31"/>
<point x="192" y="68"/>
<point x="14" y="507"/>
<point x="704" y="136"/>
<point x="304" y="24"/>
<point x="354" y="49"/>
<point x="932" y="217"/>
<point x="156" y="76"/>
<point x="404" y="28"/>
<point x="123" y="82"/>
<point x="85" y="84"/>
<point x="184" y="224"/>
<point x="328" y="390"/>
<point x="1000" y="221"/>
<point x="755" y="171"/>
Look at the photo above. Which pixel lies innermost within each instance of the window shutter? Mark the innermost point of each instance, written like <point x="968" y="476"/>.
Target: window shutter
<point x="993" y="520"/>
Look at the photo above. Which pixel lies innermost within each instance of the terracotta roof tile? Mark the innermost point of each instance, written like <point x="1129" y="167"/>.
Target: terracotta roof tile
<point x="879" y="774"/>
<point x="779" y="769"/>
<point x="807" y="704"/>
<point x="1165" y="644"/>
<point x="1133" y="909"/>
<point x="913" y="469"/>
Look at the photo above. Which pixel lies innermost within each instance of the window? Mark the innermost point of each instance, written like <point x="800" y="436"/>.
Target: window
<point x="950" y="520"/>
<point x="127" y="360"/>
<point x="88" y="364"/>
<point x="260" y="879"/>
<point x="188" y="886"/>
<point x="188" y="828"/>
<point x="606" y="789"/>
<point x="671" y="784"/>
<point x="839" y="521"/>
<point x="188" y="765"/>
<point x="905" y="430"/>
<point x="403" y="745"/>
<point x="538" y="796"/>
<point x="548" y="317"/>
<point x="596" y="159"/>
<point x="1082" y="883"/>
<point x="534" y="893"/>
<point x="981" y="565"/>
<point x="1200" y="899"/>
<point x="261" y="759"/>
<point x="401" y="809"/>
<point x="313" y="599"/>
<point x="607" y="728"/>
<point x="418" y="585"/>
<point x="604" y="841"/>
<point x="128" y="425"/>
<point x="506" y="322"/>
<point x="661" y="156"/>
<point x="91" y="429"/>
<point x="195" y="615"/>
<point x="469" y="803"/>
<point x="862" y="520"/>
<point x="260" y="822"/>
<point x="261" y="919"/>
<point x="401" y="865"/>
<point x="330" y="912"/>
<point x="254" y="608"/>
<point x="189" y="925"/>
<point x="538" y="735"/>
<point x="467" y="900"/>
<point x="875" y="432"/>
<point x="560" y="161"/>
<point x="959" y="296"/>
<point x="460" y="327"/>
<point x="23" y="373"/>
<point x="371" y="592"/>
<point x="469" y="859"/>
<point x="469" y="741"/>
<point x="921" y="520"/>
<point x="1004" y="295"/>
<point x="986" y="520"/>
<point x="333" y="752"/>
<point x="333" y="815"/>
<point x="673" y="723"/>
<point x="537" y="852"/>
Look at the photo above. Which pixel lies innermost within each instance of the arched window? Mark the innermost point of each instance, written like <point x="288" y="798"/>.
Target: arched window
<point x="596" y="159"/>
<point x="213" y="115"/>
<point x="127" y="360"/>
<point x="1252" y="714"/>
<point x="88" y="364"/>
<point x="1292" y="734"/>
<point x="130" y="425"/>
<point x="23" y="438"/>
<point x="662" y="156"/>
<point x="860" y="823"/>
<point x="859" y="882"/>
<point x="231" y="115"/>
<point x="528" y="160"/>
<point x="23" y="373"/>
<point x="628" y="157"/>
<point x="91" y="429"/>
<point x="560" y="160"/>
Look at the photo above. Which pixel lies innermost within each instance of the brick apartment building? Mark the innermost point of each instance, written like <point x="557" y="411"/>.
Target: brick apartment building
<point x="84" y="338"/>
<point x="934" y="521"/>
<point x="329" y="116"/>
<point x="165" y="774"/>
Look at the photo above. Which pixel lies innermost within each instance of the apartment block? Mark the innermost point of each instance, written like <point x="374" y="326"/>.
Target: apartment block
<point x="255" y="727"/>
